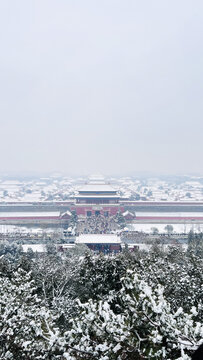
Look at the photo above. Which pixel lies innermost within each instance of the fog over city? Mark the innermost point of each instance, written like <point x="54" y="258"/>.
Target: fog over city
<point x="101" y="180"/>
<point x="113" y="86"/>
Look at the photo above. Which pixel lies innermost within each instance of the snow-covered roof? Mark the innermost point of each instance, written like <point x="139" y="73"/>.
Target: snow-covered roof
<point x="98" y="239"/>
<point x="109" y="196"/>
<point x="29" y="214"/>
<point x="40" y="248"/>
<point x="127" y="213"/>
<point x="66" y="246"/>
<point x="96" y="178"/>
<point x="97" y="188"/>
<point x="67" y="212"/>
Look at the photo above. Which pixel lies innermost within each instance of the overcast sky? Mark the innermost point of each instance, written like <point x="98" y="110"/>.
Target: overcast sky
<point x="109" y="86"/>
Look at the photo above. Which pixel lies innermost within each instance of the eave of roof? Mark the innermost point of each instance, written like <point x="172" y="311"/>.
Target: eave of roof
<point x="82" y="196"/>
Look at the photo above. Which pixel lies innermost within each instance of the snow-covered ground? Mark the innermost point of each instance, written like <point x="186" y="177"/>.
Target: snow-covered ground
<point x="7" y="229"/>
<point x="177" y="228"/>
<point x="147" y="247"/>
<point x="169" y="214"/>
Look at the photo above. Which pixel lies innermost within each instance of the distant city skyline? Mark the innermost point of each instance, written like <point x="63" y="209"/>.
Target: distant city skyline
<point x="112" y="87"/>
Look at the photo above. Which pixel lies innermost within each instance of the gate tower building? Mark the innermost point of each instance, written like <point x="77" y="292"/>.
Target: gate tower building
<point x="97" y="197"/>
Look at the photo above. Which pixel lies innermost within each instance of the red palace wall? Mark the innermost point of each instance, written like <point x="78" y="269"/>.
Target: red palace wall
<point x="82" y="210"/>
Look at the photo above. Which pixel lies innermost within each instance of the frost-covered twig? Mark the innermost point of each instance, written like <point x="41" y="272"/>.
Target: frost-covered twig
<point x="152" y="322"/>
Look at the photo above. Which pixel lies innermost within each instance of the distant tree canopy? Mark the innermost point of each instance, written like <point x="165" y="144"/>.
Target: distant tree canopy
<point x="154" y="230"/>
<point x="169" y="229"/>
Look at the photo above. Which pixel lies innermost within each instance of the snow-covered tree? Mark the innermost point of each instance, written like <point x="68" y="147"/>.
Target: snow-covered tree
<point x="27" y="329"/>
<point x="74" y="306"/>
<point x="143" y="327"/>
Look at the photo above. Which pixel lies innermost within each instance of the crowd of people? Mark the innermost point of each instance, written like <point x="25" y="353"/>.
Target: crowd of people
<point x="134" y="236"/>
<point x="98" y="224"/>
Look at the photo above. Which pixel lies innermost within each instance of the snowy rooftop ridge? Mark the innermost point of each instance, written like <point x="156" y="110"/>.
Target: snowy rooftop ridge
<point x="97" y="188"/>
<point x="98" y="239"/>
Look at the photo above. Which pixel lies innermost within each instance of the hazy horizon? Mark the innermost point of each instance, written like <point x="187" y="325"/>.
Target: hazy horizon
<point x="111" y="87"/>
<point x="10" y="175"/>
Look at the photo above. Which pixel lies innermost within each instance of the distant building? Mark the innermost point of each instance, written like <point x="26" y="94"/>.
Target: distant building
<point x="97" y="194"/>
<point x="128" y="215"/>
<point x="37" y="248"/>
<point x="97" y="198"/>
<point x="106" y="243"/>
<point x="34" y="217"/>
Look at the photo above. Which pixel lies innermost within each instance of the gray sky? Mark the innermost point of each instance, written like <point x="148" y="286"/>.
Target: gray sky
<point x="107" y="86"/>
